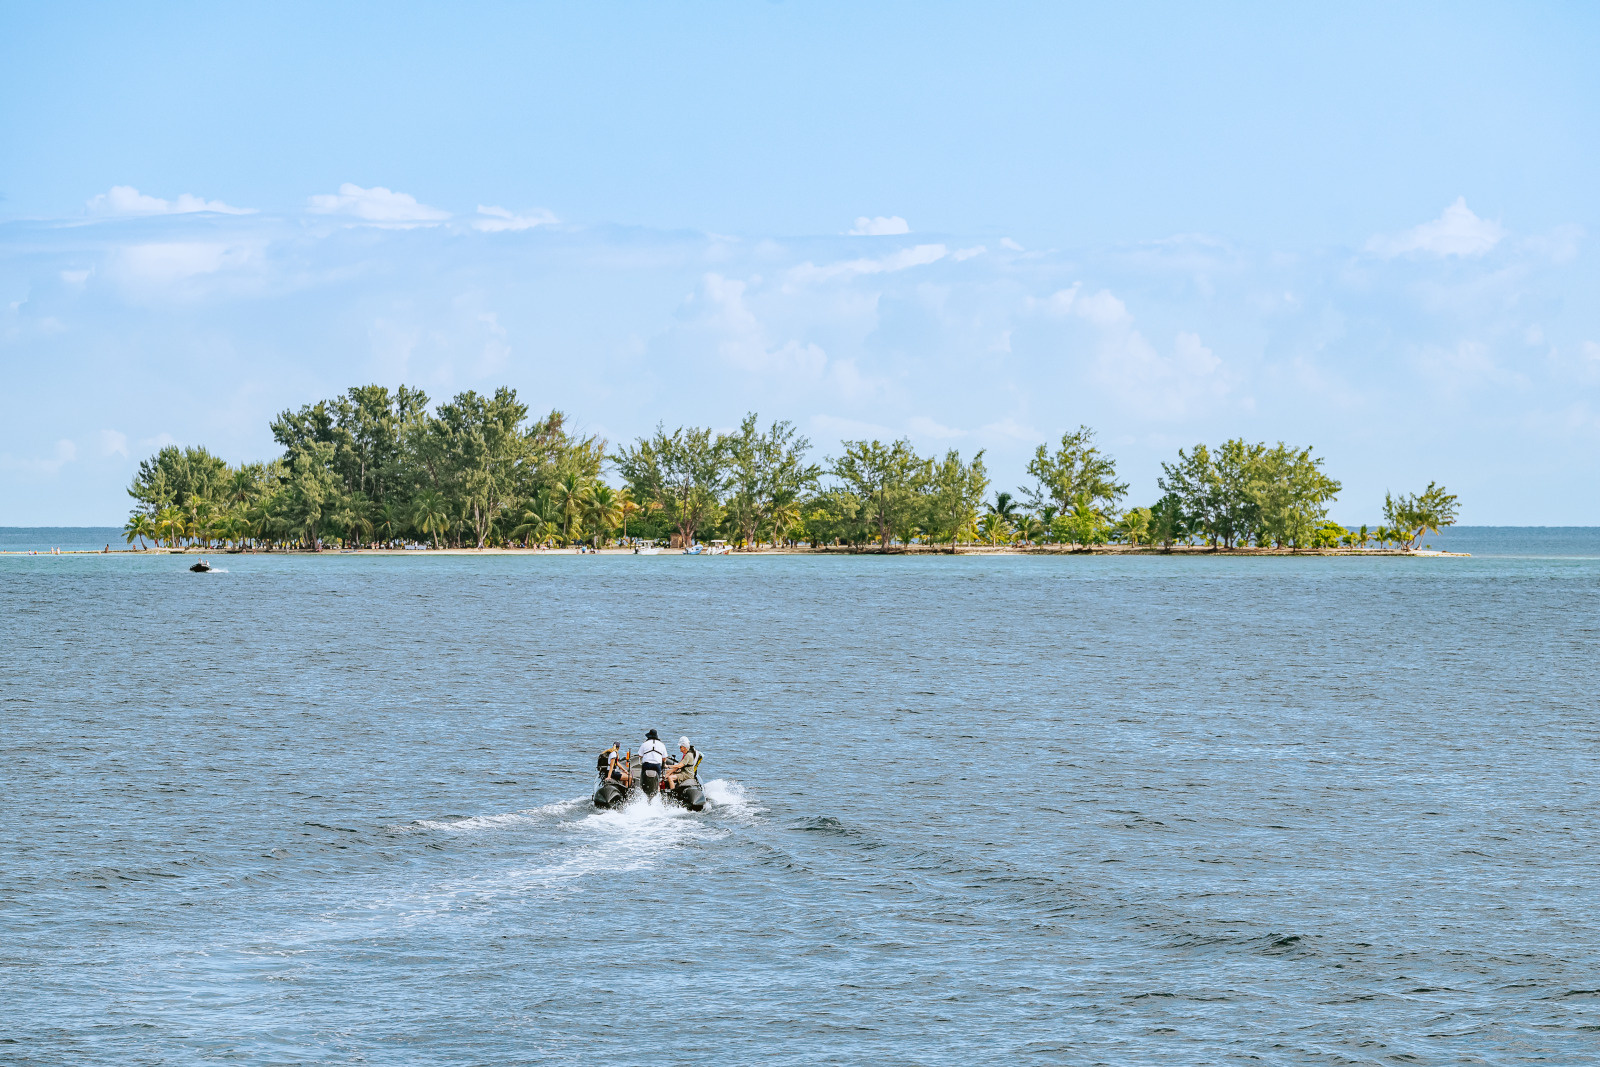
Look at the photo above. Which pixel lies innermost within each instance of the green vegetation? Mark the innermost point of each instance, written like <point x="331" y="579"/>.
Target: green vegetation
<point x="375" y="468"/>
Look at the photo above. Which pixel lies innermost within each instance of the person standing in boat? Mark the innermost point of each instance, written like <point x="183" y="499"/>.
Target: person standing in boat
<point x="652" y="755"/>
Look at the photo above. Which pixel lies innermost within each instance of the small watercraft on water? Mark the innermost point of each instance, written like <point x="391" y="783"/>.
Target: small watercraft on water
<point x="201" y="567"/>
<point x="622" y="780"/>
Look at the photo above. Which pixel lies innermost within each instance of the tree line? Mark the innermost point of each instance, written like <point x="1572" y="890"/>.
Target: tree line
<point x="379" y="468"/>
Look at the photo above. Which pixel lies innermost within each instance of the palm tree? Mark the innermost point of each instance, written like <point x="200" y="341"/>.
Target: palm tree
<point x="202" y="520"/>
<point x="1028" y="528"/>
<point x="430" y="513"/>
<point x="1135" y="525"/>
<point x="996" y="530"/>
<point x="568" y="496"/>
<point x="600" y="510"/>
<point x="627" y="508"/>
<point x="140" y="526"/>
<point x="1004" y="506"/>
<point x="241" y="486"/>
<point x="390" y="521"/>
<point x="785" y="513"/>
<point x="168" y="525"/>
<point x="351" y="517"/>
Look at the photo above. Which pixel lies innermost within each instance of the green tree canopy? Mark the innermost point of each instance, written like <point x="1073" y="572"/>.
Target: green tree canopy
<point x="1077" y="466"/>
<point x="683" y="472"/>
<point x="888" y="479"/>
<point x="1414" y="515"/>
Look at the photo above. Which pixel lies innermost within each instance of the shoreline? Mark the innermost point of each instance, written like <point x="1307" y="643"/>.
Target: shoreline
<point x="827" y="550"/>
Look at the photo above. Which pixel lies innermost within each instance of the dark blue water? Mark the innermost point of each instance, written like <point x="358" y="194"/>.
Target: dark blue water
<point x="1136" y="810"/>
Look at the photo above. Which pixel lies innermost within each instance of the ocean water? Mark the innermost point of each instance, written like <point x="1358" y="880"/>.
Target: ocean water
<point x="973" y="809"/>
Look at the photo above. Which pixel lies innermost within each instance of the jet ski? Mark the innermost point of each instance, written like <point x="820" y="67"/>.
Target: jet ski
<point x="201" y="567"/>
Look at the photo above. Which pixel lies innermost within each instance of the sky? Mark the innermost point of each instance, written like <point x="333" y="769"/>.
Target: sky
<point x="1367" y="229"/>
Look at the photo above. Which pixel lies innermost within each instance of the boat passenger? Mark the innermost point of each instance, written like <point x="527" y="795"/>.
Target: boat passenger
<point x="607" y="760"/>
<point x="687" y="769"/>
<point x="652" y="754"/>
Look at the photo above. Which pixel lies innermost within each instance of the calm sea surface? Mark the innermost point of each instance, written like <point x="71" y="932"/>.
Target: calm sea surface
<point x="1124" y="811"/>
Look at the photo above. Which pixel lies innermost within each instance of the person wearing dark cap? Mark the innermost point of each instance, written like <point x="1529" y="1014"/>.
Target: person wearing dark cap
<point x="652" y="754"/>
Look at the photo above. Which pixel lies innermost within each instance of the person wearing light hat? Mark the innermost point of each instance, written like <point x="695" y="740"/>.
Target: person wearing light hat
<point x="652" y="754"/>
<point x="687" y="769"/>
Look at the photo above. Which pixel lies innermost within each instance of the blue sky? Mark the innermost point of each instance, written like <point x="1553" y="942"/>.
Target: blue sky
<point x="1369" y="230"/>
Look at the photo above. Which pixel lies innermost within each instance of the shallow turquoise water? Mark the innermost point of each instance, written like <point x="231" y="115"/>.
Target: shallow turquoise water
<point x="1053" y="809"/>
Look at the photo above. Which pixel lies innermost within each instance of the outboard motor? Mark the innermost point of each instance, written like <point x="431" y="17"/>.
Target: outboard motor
<point x="690" y="795"/>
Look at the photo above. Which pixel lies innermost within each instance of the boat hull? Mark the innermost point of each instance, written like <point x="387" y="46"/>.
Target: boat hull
<point x="609" y="795"/>
<point x="689" y="795"/>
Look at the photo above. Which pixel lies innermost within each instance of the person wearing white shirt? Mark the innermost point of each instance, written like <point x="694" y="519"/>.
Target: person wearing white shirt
<point x="652" y="754"/>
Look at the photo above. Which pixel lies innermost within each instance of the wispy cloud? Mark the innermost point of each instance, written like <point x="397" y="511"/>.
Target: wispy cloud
<point x="1457" y="232"/>
<point x="155" y="267"/>
<point x="126" y="200"/>
<point x="65" y="452"/>
<point x="881" y="226"/>
<point x="904" y="259"/>
<point x="499" y="220"/>
<point x="377" y="205"/>
<point x="922" y="426"/>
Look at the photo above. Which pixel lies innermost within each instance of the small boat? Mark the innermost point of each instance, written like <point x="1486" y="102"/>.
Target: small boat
<point x="201" y="567"/>
<point x="610" y="794"/>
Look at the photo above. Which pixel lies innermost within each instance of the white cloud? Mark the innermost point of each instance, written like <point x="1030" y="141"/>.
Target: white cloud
<point x="879" y="226"/>
<point x="1010" y="245"/>
<point x="161" y="265"/>
<point x="65" y="452"/>
<point x="919" y="256"/>
<point x="922" y="426"/>
<point x="126" y="200"/>
<point x="75" y="277"/>
<point x="743" y="341"/>
<point x="1457" y="232"/>
<point x="1469" y="365"/>
<point x="113" y="443"/>
<point x="1560" y="245"/>
<point x="1103" y="309"/>
<point x="961" y="254"/>
<point x="1010" y="429"/>
<point x="499" y="220"/>
<point x="378" y="205"/>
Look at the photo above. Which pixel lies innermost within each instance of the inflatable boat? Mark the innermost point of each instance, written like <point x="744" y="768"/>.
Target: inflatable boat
<point x="610" y="794"/>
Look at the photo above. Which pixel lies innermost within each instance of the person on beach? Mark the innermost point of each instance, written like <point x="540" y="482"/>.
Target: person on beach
<point x="652" y="755"/>
<point x="687" y="769"/>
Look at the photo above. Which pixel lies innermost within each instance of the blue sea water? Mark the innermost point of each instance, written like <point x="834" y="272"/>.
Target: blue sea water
<point x="1046" y="809"/>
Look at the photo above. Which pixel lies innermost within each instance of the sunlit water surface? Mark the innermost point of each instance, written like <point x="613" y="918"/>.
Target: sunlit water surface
<point x="1177" y="811"/>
